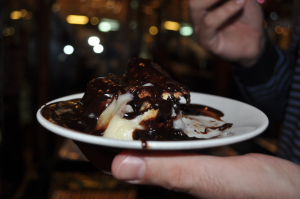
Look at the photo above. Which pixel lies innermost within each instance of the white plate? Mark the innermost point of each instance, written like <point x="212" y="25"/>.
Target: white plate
<point x="248" y="122"/>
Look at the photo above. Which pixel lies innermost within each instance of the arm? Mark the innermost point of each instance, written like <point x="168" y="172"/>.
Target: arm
<point x="234" y="31"/>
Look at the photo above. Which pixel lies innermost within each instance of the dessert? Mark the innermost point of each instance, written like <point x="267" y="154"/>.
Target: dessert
<point x="143" y="104"/>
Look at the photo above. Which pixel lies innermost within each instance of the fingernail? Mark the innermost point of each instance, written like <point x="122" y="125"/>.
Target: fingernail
<point x="239" y="1"/>
<point x="131" y="168"/>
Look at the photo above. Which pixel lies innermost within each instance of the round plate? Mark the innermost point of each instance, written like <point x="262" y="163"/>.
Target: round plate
<point x="247" y="121"/>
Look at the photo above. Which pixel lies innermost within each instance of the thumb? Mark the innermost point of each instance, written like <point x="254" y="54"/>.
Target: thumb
<point x="178" y="172"/>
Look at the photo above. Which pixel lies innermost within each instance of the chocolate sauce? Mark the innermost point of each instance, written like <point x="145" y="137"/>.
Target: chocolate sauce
<point x="147" y="83"/>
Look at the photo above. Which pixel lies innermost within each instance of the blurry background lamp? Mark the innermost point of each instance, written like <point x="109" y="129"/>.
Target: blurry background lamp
<point x="104" y="26"/>
<point x="186" y="30"/>
<point x="134" y="4"/>
<point x="153" y="30"/>
<point x="68" y="49"/>
<point x="172" y="25"/>
<point x="98" y="48"/>
<point x="94" y="21"/>
<point x="14" y="15"/>
<point x="77" y="19"/>
<point x="274" y="16"/>
<point x="107" y="25"/>
<point x="93" y="41"/>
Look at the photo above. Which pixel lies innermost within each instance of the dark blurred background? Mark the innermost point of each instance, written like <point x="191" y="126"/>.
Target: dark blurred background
<point x="52" y="48"/>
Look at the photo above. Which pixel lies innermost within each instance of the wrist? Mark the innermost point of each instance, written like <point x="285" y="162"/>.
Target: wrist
<point x="262" y="70"/>
<point x="256" y="54"/>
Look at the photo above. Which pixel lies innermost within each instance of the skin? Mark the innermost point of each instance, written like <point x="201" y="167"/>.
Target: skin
<point x="201" y="176"/>
<point x="232" y="31"/>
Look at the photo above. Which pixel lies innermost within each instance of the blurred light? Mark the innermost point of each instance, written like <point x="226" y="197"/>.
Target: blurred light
<point x="148" y="38"/>
<point x="14" y="15"/>
<point x="148" y="10"/>
<point x="68" y="49"/>
<point x="186" y="30"/>
<point x="265" y="24"/>
<point x="104" y="26"/>
<point x="98" y="48"/>
<point x="171" y="25"/>
<point x="286" y="31"/>
<point x="107" y="25"/>
<point x="93" y="41"/>
<point x="133" y="25"/>
<point x="278" y="30"/>
<point x="274" y="16"/>
<point x="56" y="7"/>
<point x="134" y="4"/>
<point x="23" y="13"/>
<point x="94" y="21"/>
<point x="110" y="4"/>
<point x="77" y="19"/>
<point x="155" y="4"/>
<point x="153" y="30"/>
<point x="28" y="16"/>
<point x="8" y="31"/>
<point x="261" y="1"/>
<point x="118" y="7"/>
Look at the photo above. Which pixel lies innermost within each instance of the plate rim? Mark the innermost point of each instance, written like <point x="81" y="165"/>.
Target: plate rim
<point x="151" y="145"/>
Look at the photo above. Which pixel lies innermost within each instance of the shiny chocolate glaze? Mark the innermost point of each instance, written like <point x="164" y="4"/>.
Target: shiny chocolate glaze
<point x="147" y="83"/>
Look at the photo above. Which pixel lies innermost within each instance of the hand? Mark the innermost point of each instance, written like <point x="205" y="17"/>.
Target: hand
<point x="248" y="176"/>
<point x="233" y="30"/>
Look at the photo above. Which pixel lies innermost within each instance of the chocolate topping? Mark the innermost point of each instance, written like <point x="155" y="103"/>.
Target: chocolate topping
<point x="152" y="88"/>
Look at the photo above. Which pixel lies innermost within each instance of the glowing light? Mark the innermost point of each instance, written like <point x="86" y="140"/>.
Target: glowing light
<point x="171" y="25"/>
<point x="278" y="30"/>
<point x="274" y="16"/>
<point x="68" y="49"/>
<point x="77" y="19"/>
<point x="93" y="41"/>
<point x="56" y="7"/>
<point x="23" y="13"/>
<point x="104" y="26"/>
<point x="286" y="31"/>
<point x="94" y="21"/>
<point x="110" y="4"/>
<point x="15" y="15"/>
<point x="153" y="30"/>
<point x="98" y="48"/>
<point x="265" y="24"/>
<point x="133" y="25"/>
<point x="261" y="1"/>
<point x="107" y="25"/>
<point x="118" y="7"/>
<point x="148" y="38"/>
<point x="134" y="4"/>
<point x="8" y="31"/>
<point x="186" y="30"/>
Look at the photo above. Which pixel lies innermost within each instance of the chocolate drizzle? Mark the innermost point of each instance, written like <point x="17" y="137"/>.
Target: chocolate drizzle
<point x="152" y="89"/>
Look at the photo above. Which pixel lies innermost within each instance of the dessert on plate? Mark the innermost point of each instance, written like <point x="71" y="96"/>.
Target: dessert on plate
<point x="143" y="104"/>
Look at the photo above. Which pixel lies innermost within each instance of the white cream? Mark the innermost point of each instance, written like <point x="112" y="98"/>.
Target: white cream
<point x="117" y="127"/>
<point x="122" y="129"/>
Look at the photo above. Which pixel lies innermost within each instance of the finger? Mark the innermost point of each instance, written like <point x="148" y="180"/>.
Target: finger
<point x="202" y="4"/>
<point x="219" y="16"/>
<point x="172" y="171"/>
